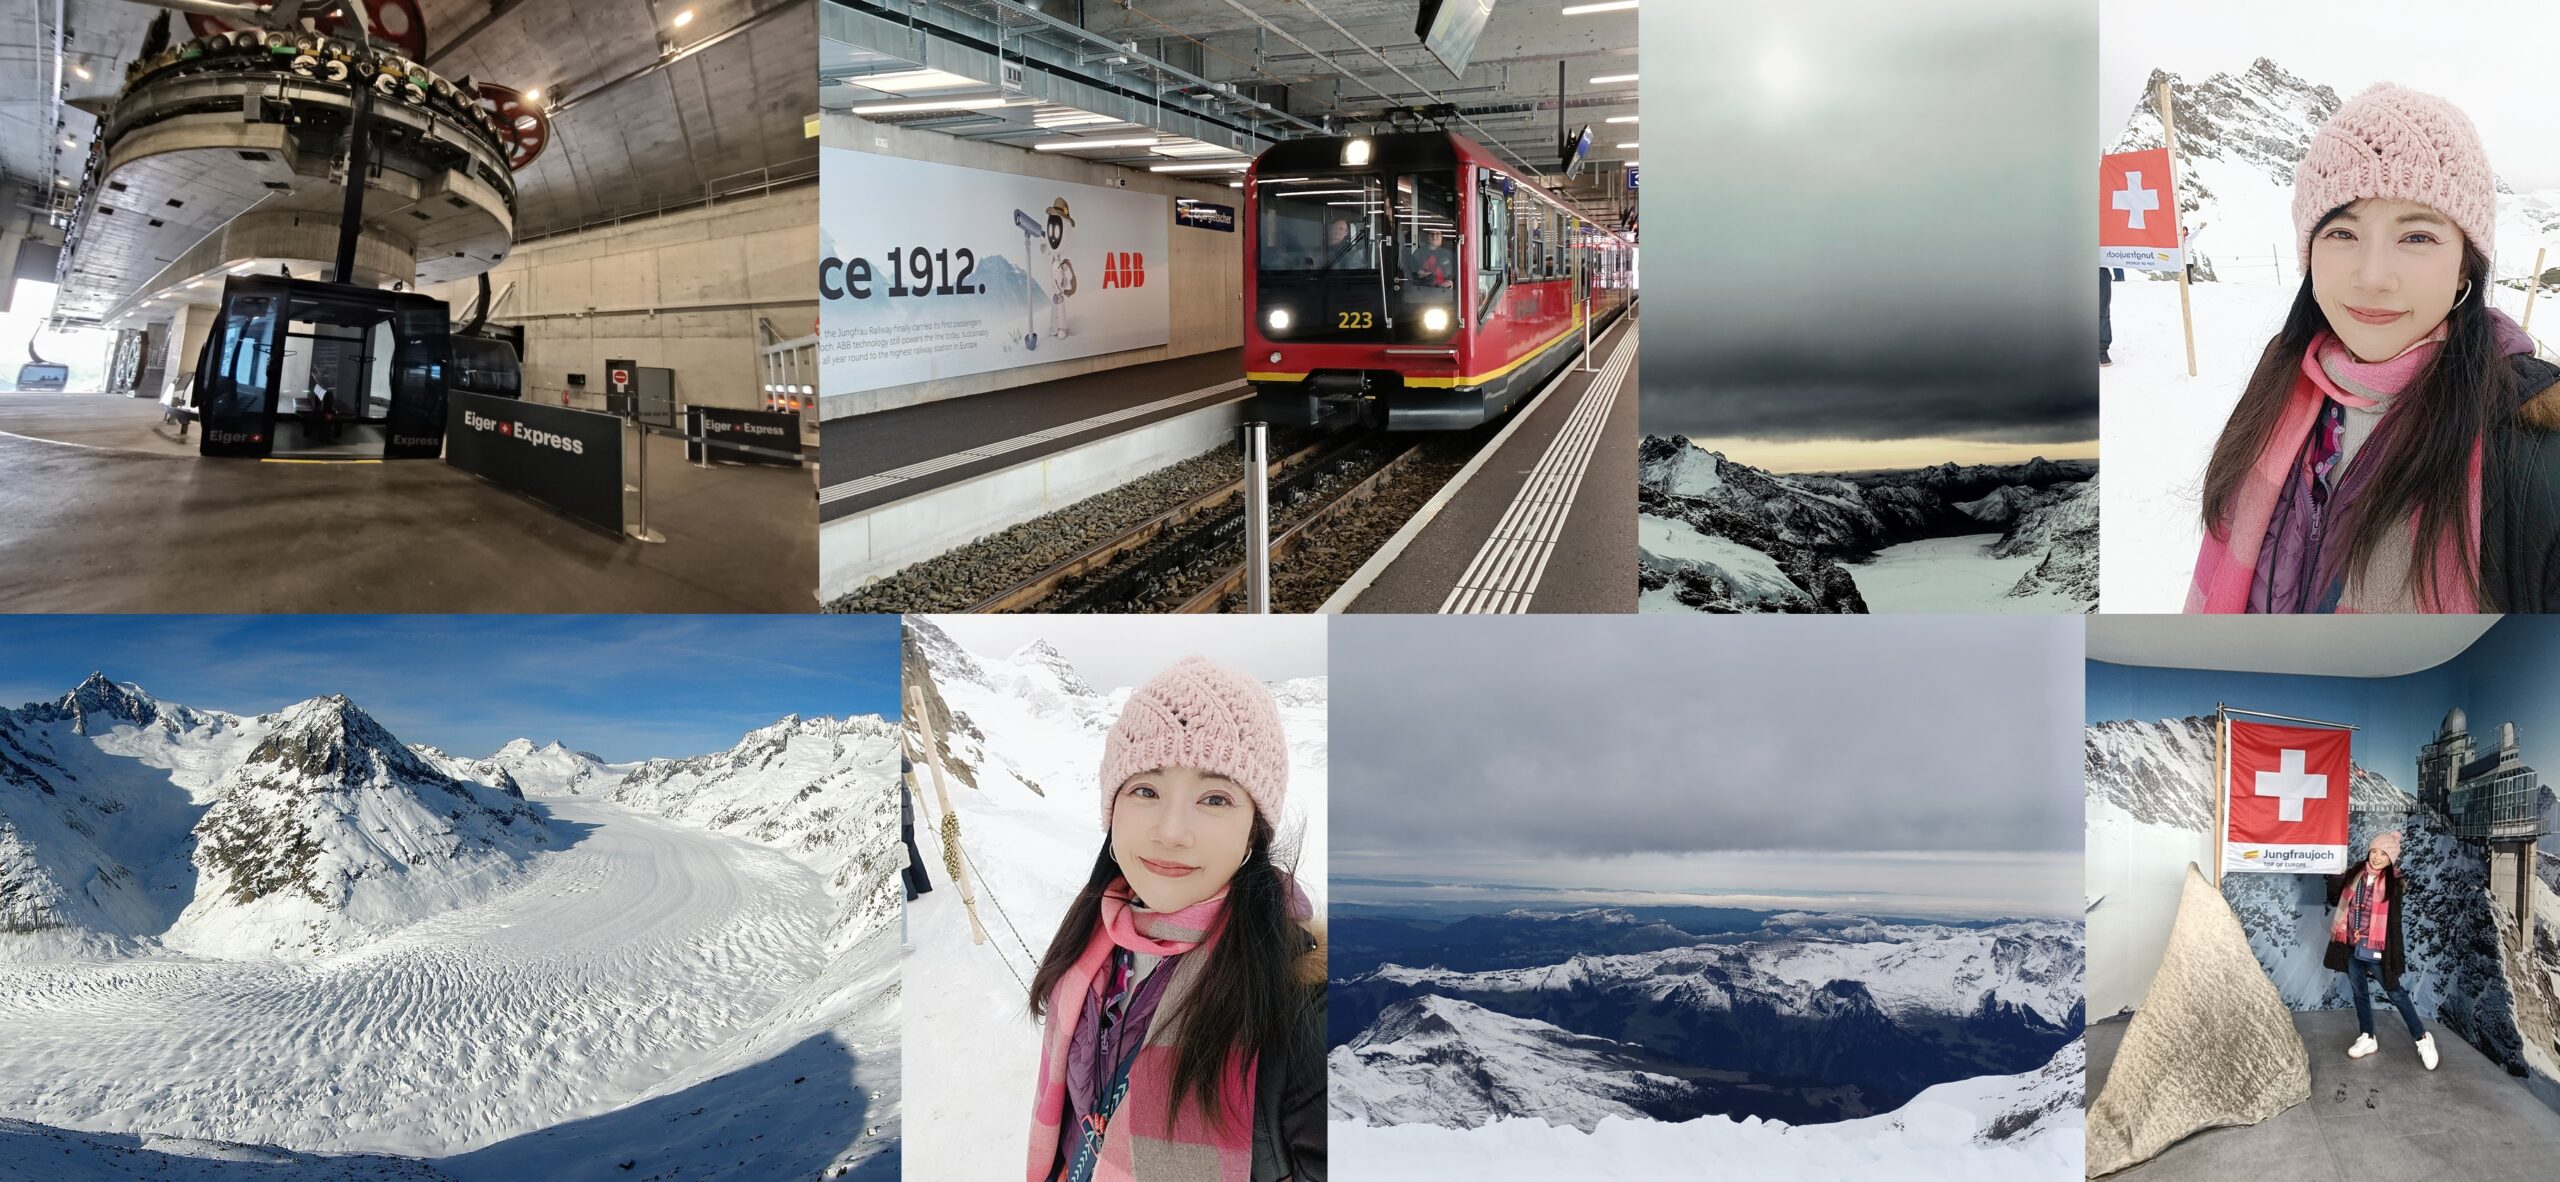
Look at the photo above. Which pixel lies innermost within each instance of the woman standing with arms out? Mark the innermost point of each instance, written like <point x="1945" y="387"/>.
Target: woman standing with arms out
<point x="2393" y="451"/>
<point x="1184" y="992"/>
<point x="2364" y="943"/>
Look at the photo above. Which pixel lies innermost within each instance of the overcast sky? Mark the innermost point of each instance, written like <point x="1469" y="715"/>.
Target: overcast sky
<point x="1610" y="748"/>
<point x="2493" y="60"/>
<point x="1871" y="224"/>
<point x="622" y="686"/>
<point x="1115" y="651"/>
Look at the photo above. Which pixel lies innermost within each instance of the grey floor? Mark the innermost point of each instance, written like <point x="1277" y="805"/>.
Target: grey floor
<point x="102" y="509"/>
<point x="2382" y="1117"/>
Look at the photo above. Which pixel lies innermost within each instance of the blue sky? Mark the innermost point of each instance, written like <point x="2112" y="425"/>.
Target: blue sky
<point x="624" y="687"/>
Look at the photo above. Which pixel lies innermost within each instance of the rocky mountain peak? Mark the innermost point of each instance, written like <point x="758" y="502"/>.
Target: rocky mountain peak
<point x="1040" y="654"/>
<point x="98" y="698"/>
<point x="329" y="743"/>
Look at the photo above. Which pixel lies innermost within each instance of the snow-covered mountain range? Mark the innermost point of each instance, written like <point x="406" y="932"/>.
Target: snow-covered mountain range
<point x="1718" y="535"/>
<point x="1816" y="1017"/>
<point x="2240" y="137"/>
<point x="260" y="938"/>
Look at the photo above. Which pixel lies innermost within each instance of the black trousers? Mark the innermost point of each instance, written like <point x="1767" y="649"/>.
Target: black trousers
<point x="2106" y="324"/>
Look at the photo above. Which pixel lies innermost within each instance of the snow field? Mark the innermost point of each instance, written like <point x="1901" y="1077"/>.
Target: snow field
<point x="1956" y="574"/>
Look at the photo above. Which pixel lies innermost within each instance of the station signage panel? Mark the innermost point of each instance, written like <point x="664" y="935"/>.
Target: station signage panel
<point x="936" y="271"/>
<point x="763" y="430"/>
<point x="1203" y="215"/>
<point x="568" y="459"/>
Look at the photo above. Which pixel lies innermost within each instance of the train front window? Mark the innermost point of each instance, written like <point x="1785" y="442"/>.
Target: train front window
<point x="1425" y="285"/>
<point x="1329" y="226"/>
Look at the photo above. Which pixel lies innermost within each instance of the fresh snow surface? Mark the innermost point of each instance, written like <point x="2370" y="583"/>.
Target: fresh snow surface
<point x="2158" y="425"/>
<point x="1956" y="574"/>
<point x="1031" y="829"/>
<point x="1755" y="575"/>
<point x="1943" y="1133"/>
<point x="1438" y="1060"/>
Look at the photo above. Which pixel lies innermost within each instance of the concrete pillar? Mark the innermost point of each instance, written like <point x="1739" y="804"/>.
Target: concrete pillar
<point x="185" y="335"/>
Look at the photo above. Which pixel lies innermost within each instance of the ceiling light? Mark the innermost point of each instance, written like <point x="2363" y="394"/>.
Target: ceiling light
<point x="534" y="93"/>
<point x="1599" y="6"/>
<point x="684" y="18"/>
<point x="1076" y="144"/>
<point x="910" y="81"/>
<point x="1628" y="144"/>
<point x="975" y="104"/>
<point x="1619" y="119"/>
<point x="1220" y="166"/>
<point x="1605" y="79"/>
<point x="81" y="70"/>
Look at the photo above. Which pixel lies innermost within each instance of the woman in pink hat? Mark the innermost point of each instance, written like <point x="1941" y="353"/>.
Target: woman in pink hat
<point x="2393" y="451"/>
<point x="1184" y="992"/>
<point x="2364" y="943"/>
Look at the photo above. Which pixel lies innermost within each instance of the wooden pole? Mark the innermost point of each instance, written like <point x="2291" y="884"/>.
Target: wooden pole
<point x="2534" y="290"/>
<point x="2186" y="312"/>
<point x="955" y="865"/>
<point x="2221" y="790"/>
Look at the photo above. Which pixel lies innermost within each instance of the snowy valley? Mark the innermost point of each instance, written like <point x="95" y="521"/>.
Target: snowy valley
<point x="1717" y="535"/>
<point x="1826" y="1038"/>
<point x="234" y="945"/>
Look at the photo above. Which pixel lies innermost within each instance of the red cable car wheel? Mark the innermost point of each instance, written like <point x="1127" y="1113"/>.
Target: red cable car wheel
<point x="397" y="22"/>
<point x="522" y="123"/>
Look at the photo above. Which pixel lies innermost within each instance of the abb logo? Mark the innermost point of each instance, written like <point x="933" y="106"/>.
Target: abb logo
<point x="1124" y="269"/>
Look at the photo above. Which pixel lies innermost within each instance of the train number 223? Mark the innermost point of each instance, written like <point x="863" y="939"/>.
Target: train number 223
<point x="1356" y="320"/>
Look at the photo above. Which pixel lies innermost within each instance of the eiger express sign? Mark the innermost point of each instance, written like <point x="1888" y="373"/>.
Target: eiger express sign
<point x="568" y="459"/>
<point x="765" y="431"/>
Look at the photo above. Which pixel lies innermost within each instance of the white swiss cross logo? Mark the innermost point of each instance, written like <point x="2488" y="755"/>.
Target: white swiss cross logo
<point x="2291" y="785"/>
<point x="2135" y="200"/>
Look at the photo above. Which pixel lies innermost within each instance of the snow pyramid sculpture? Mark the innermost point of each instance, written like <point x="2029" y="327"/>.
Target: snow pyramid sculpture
<point x="2212" y="1045"/>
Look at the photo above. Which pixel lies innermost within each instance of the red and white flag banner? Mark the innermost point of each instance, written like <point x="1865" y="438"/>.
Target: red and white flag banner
<point x="2285" y="799"/>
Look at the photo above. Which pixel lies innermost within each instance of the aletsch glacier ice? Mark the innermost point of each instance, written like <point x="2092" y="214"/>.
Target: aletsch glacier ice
<point x="292" y="930"/>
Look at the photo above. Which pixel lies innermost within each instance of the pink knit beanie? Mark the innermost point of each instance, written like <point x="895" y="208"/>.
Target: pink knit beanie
<point x="2389" y="843"/>
<point x="2395" y="142"/>
<point x="1200" y="714"/>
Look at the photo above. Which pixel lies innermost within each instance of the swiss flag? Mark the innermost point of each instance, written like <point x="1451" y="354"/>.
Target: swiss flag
<point x="2137" y="211"/>
<point x="2287" y="799"/>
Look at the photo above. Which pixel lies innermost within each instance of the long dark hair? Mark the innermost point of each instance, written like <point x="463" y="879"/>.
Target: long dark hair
<point x="2421" y="455"/>
<point x="1247" y="999"/>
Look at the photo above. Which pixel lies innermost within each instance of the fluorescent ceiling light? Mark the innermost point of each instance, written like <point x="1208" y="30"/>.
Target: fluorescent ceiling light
<point x="1193" y="148"/>
<point x="909" y="81"/>
<point x="684" y="18"/>
<point x="1628" y="144"/>
<point x="1619" y="119"/>
<point x="1218" y="166"/>
<point x="1068" y="117"/>
<point x="975" y="104"/>
<point x="1608" y="78"/>
<point x="1599" y="6"/>
<point x="1069" y="145"/>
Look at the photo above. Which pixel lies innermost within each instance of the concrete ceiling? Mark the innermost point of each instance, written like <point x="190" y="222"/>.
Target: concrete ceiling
<point x="1321" y="62"/>
<point x="649" y="115"/>
<point x="2327" y="646"/>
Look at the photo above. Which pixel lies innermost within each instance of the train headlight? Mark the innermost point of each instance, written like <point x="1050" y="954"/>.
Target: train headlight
<point x="1278" y="319"/>
<point x="1435" y="320"/>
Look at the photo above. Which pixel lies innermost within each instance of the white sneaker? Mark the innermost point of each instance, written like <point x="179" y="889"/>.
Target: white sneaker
<point x="2427" y="1050"/>
<point x="2364" y="1045"/>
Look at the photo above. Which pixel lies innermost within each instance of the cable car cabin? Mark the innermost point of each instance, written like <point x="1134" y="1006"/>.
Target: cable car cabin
<point x="37" y="377"/>
<point x="1411" y="280"/>
<point x="296" y="367"/>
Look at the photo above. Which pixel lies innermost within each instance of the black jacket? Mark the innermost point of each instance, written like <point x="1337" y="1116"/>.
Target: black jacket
<point x="2393" y="957"/>
<point x="1289" y="1096"/>
<point x="2520" y="503"/>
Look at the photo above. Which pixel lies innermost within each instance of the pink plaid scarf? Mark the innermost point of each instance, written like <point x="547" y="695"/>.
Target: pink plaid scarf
<point x="2368" y="890"/>
<point x="1143" y="1143"/>
<point x="2226" y="566"/>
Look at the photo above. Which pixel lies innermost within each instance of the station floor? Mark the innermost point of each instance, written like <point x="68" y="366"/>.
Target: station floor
<point x="2466" y="1119"/>
<point x="866" y="461"/>
<point x="103" y="510"/>
<point x="1548" y="523"/>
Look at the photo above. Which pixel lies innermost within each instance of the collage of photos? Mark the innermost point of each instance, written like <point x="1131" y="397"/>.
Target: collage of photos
<point x="648" y="591"/>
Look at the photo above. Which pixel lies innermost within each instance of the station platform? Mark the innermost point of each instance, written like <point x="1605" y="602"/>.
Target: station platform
<point x="866" y="461"/>
<point x="105" y="510"/>
<point x="1543" y="520"/>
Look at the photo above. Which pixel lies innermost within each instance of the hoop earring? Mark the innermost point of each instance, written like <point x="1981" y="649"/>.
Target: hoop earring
<point x="2466" y="293"/>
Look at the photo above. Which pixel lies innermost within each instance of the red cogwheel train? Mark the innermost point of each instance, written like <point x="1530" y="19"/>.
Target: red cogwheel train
<point x="1411" y="280"/>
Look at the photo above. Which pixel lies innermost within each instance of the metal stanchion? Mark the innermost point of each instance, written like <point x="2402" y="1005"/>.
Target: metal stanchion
<point x="1257" y="518"/>
<point x="643" y="533"/>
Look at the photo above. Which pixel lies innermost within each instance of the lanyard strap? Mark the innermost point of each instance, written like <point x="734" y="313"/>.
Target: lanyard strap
<point x="1106" y="1102"/>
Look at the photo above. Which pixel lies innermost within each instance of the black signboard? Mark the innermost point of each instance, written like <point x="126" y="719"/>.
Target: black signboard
<point x="568" y="459"/>
<point x="1204" y="215"/>
<point x="755" y="428"/>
